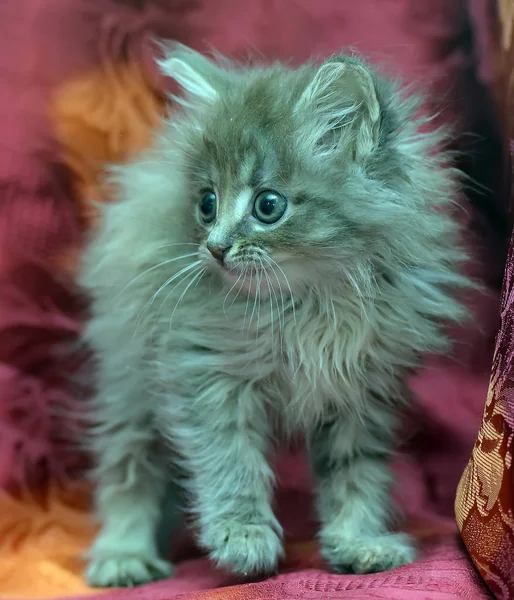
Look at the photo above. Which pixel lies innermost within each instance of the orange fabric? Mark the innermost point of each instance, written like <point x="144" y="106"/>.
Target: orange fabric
<point x="101" y="118"/>
<point x="41" y="542"/>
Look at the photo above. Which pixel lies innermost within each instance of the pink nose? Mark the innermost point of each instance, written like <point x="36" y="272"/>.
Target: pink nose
<point x="219" y="252"/>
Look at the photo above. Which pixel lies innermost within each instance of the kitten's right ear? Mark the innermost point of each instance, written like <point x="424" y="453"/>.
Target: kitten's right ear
<point x="192" y="71"/>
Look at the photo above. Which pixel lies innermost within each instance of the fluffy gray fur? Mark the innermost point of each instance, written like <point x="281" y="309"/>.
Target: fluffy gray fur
<point x="310" y="326"/>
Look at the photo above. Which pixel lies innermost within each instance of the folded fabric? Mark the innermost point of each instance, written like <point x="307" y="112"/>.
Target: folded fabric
<point x="78" y="89"/>
<point x="485" y="498"/>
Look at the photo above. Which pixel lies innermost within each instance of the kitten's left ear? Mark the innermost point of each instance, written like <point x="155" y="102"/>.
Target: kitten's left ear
<point x="195" y="73"/>
<point x="343" y="97"/>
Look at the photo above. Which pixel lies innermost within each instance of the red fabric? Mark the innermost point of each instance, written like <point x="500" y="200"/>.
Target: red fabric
<point x="44" y="42"/>
<point x="444" y="573"/>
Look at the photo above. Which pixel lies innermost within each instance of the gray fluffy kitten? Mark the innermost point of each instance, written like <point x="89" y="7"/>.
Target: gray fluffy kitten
<point x="277" y="264"/>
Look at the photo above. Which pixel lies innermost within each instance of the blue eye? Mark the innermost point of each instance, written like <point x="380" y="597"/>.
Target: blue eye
<point x="208" y="207"/>
<point x="269" y="207"/>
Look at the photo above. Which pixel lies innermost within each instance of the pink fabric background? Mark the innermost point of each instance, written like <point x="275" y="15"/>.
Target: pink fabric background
<point x="444" y="573"/>
<point x="42" y="43"/>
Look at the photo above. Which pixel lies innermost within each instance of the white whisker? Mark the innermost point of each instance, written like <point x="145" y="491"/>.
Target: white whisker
<point x="263" y="271"/>
<point x="259" y="306"/>
<point x="254" y="301"/>
<point x="149" y="270"/>
<point x="196" y="277"/>
<point x="204" y="270"/>
<point x="173" y="277"/>
<point x="248" y="296"/>
<point x="240" y="285"/>
<point x="183" y="272"/>
<point x="290" y="291"/>
<point x="228" y="293"/>
<point x="281" y="313"/>
<point x="149" y="302"/>
<point x="272" y="320"/>
<point x="177" y="244"/>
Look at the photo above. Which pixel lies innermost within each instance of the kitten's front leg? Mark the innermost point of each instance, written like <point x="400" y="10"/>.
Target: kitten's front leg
<point x="224" y="445"/>
<point x="350" y="463"/>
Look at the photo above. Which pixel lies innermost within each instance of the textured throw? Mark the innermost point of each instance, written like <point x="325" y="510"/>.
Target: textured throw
<point x="78" y="89"/>
<point x="485" y="498"/>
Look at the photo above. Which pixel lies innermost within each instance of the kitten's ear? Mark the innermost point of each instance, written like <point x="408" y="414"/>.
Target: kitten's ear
<point x="195" y="73"/>
<point x="343" y="97"/>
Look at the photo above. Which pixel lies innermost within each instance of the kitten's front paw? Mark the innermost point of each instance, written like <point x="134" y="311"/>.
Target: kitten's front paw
<point x="246" y="549"/>
<point x="367" y="554"/>
<point x="125" y="570"/>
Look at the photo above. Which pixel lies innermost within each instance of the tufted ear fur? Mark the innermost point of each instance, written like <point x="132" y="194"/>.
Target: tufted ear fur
<point x="195" y="74"/>
<point x="343" y="100"/>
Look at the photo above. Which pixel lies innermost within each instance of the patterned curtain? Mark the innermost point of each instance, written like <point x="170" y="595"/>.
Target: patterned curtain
<point x="485" y="497"/>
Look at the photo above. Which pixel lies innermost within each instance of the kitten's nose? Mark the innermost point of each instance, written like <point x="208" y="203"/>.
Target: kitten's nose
<point x="219" y="252"/>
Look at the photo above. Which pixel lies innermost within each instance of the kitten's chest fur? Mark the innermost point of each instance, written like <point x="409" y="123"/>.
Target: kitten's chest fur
<point x="299" y="361"/>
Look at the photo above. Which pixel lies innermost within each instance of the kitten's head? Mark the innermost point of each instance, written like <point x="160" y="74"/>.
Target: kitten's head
<point x="290" y="172"/>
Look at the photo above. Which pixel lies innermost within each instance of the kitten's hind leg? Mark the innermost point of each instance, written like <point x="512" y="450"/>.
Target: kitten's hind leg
<point x="172" y="515"/>
<point x="130" y="485"/>
<point x="353" y="493"/>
